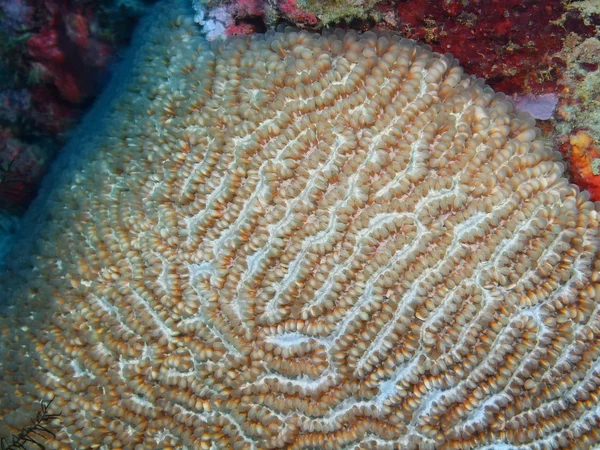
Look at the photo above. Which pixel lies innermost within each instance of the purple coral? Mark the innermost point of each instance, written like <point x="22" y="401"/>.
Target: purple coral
<point x="16" y="13"/>
<point x="539" y="106"/>
<point x="13" y="102"/>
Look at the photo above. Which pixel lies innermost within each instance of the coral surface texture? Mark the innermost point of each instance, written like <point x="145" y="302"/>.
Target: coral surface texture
<point x="307" y="241"/>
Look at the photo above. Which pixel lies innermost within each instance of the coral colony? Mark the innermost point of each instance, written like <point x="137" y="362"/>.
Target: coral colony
<point x="301" y="240"/>
<point x="56" y="54"/>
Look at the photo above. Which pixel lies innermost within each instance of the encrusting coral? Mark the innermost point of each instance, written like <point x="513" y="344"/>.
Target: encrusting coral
<point x="297" y="240"/>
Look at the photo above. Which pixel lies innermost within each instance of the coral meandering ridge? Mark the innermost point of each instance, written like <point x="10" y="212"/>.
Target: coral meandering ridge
<point x="309" y="241"/>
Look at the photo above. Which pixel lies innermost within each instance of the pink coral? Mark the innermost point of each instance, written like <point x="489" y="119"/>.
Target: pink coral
<point x="241" y="29"/>
<point x="67" y="50"/>
<point x="247" y="8"/>
<point x="294" y="12"/>
<point x="43" y="46"/>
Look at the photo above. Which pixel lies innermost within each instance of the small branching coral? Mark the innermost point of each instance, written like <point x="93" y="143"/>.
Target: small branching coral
<point x="30" y="435"/>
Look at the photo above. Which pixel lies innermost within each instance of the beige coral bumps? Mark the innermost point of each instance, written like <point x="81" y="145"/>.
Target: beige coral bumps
<point x="306" y="241"/>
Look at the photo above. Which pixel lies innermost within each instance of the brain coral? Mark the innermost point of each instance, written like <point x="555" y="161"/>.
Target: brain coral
<point x="309" y="241"/>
